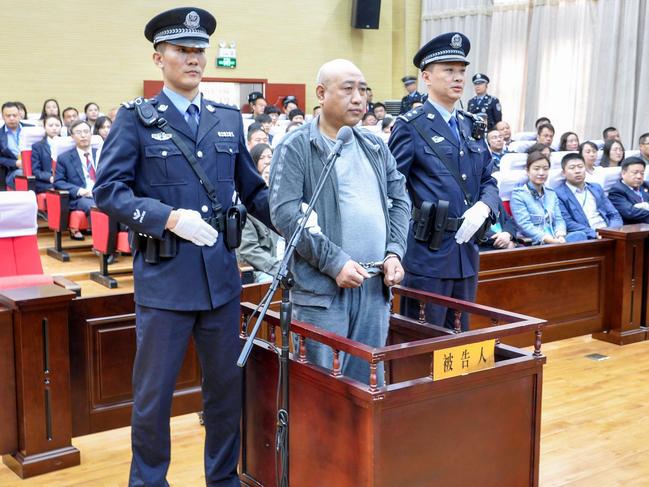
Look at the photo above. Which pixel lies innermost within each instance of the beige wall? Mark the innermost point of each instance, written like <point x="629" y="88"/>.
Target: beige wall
<point x="79" y="51"/>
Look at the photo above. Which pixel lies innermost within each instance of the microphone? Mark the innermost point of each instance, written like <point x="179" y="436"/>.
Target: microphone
<point x="344" y="135"/>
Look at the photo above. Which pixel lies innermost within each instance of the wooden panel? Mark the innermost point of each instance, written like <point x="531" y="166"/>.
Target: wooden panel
<point x="275" y="93"/>
<point x="8" y="431"/>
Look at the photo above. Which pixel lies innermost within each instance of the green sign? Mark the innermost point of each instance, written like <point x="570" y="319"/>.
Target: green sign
<point x="226" y="62"/>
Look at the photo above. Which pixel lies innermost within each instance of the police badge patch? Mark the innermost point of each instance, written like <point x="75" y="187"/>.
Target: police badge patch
<point x="192" y="20"/>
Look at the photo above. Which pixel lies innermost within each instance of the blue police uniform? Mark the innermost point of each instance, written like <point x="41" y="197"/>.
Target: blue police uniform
<point x="453" y="269"/>
<point x="143" y="176"/>
<point x="486" y="104"/>
<point x="410" y="98"/>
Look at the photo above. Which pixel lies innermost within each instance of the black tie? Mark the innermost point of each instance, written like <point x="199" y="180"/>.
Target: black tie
<point x="192" y="111"/>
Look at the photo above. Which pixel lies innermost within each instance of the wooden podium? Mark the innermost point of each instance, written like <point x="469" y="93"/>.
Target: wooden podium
<point x="480" y="428"/>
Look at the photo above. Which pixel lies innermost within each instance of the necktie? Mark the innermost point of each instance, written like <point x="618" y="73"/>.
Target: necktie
<point x="452" y="122"/>
<point x="192" y="112"/>
<point x="91" y="170"/>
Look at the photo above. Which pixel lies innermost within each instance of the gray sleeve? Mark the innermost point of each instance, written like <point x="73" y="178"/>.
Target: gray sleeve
<point x="287" y="183"/>
<point x="253" y="253"/>
<point x="399" y="210"/>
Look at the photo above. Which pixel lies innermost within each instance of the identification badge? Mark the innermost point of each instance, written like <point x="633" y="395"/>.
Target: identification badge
<point x="161" y="136"/>
<point x="437" y="139"/>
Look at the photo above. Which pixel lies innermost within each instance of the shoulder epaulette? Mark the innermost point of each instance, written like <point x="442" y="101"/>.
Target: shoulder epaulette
<point x="221" y="105"/>
<point x="130" y="105"/>
<point x="409" y="116"/>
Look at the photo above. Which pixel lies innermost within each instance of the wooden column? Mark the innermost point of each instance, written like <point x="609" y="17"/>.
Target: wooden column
<point x="627" y="290"/>
<point x="42" y="370"/>
<point x="8" y="430"/>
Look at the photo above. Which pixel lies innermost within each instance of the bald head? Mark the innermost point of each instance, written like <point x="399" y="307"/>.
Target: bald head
<point x="331" y="70"/>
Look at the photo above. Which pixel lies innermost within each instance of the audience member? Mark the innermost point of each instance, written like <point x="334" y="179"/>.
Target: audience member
<point x="22" y="113"/>
<point x="76" y="172"/>
<point x="588" y="152"/>
<point x="265" y="121"/>
<point x="92" y="112"/>
<point x="293" y="125"/>
<point x="630" y="196"/>
<point x="643" y="143"/>
<point x="50" y="107"/>
<point x="256" y="135"/>
<point x="536" y="208"/>
<point x="584" y="206"/>
<point x="545" y="134"/>
<point x="370" y="105"/>
<point x="501" y="234"/>
<point x="102" y="127"/>
<point x="569" y="141"/>
<point x="289" y="103"/>
<point x="10" y="142"/>
<point x="296" y="115"/>
<point x="369" y="119"/>
<point x="259" y="243"/>
<point x="273" y="112"/>
<point x="70" y="114"/>
<point x="42" y="155"/>
<point x="541" y="121"/>
<point x="610" y="133"/>
<point x="538" y="147"/>
<point x="613" y="153"/>
<point x="316" y="110"/>
<point x="496" y="143"/>
<point x="379" y="110"/>
<point x="506" y="131"/>
<point x="257" y="103"/>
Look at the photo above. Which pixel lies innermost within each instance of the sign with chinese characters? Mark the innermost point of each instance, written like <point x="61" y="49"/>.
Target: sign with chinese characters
<point x="462" y="360"/>
<point x="227" y="55"/>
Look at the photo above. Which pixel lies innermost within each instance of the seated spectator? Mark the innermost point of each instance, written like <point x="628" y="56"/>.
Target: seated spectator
<point x="506" y="131"/>
<point x="584" y="206"/>
<point x="316" y="111"/>
<point x="22" y="111"/>
<point x="42" y="155"/>
<point x="545" y="134"/>
<point x="542" y="148"/>
<point x="569" y="141"/>
<point x="92" y="113"/>
<point x="259" y="243"/>
<point x="588" y="152"/>
<point x="610" y="133"/>
<point x="273" y="112"/>
<point x="386" y="128"/>
<point x="265" y="121"/>
<point x="289" y="103"/>
<point x="10" y="142"/>
<point x="502" y="234"/>
<point x="536" y="208"/>
<point x="368" y="119"/>
<point x="76" y="172"/>
<point x="50" y="108"/>
<point x="292" y="126"/>
<point x="643" y="143"/>
<point x="102" y="127"/>
<point x="257" y="103"/>
<point x="70" y="114"/>
<point x="296" y="115"/>
<point x="496" y="143"/>
<point x="613" y="153"/>
<point x="256" y="135"/>
<point x="541" y="121"/>
<point x="379" y="110"/>
<point x="370" y="99"/>
<point x="630" y="196"/>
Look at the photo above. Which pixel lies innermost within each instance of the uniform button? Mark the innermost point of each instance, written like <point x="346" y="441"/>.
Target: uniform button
<point x="461" y="153"/>
<point x="204" y="208"/>
<point x="199" y="153"/>
<point x="230" y="151"/>
<point x="164" y="153"/>
<point x="463" y="177"/>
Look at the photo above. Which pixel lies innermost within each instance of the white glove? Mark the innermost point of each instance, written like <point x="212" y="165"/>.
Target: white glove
<point x="474" y="217"/>
<point x="643" y="206"/>
<point x="312" y="221"/>
<point x="191" y="227"/>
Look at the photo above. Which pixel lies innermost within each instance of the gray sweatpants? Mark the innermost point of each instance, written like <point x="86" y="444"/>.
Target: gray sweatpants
<point x="361" y="314"/>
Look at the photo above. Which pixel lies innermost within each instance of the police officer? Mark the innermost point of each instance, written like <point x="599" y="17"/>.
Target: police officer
<point x="484" y="104"/>
<point x="410" y="84"/>
<point x="447" y="165"/>
<point x="146" y="182"/>
<point x="257" y="103"/>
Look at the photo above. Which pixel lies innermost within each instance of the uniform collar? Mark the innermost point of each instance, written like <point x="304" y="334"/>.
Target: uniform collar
<point x="180" y="102"/>
<point x="446" y="115"/>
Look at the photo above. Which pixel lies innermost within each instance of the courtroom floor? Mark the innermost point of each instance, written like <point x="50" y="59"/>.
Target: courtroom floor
<point x="594" y="428"/>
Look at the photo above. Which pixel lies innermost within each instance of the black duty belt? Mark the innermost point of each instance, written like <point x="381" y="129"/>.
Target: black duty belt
<point x="452" y="224"/>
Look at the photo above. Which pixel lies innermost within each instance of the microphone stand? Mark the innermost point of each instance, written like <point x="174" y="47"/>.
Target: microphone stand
<point x="285" y="279"/>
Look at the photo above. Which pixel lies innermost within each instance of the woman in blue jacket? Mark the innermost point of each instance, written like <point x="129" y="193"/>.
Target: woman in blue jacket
<point x="536" y="208"/>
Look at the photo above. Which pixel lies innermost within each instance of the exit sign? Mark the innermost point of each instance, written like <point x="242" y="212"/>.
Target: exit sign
<point x="226" y="62"/>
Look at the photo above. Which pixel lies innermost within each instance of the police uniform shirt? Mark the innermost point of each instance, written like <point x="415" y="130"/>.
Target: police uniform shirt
<point x="182" y="103"/>
<point x="489" y="105"/>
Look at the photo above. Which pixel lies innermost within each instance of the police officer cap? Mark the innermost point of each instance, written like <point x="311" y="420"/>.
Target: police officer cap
<point x="408" y="80"/>
<point x="289" y="99"/>
<point x="449" y="47"/>
<point x="187" y="26"/>
<point x="253" y="96"/>
<point x="480" y="78"/>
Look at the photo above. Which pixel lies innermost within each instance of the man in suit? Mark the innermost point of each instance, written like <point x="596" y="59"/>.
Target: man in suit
<point x="483" y="104"/>
<point x="76" y="171"/>
<point x="10" y="143"/>
<point x="630" y="195"/>
<point x="410" y="84"/>
<point x="584" y="206"/>
<point x="448" y="169"/>
<point x="496" y="147"/>
<point x="188" y="284"/>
